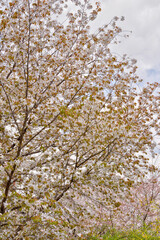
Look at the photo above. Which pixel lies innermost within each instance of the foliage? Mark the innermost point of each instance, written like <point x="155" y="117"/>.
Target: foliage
<point x="141" y="234"/>
<point x="73" y="127"/>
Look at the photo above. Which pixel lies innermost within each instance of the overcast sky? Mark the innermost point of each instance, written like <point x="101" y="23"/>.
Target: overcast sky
<point x="142" y="17"/>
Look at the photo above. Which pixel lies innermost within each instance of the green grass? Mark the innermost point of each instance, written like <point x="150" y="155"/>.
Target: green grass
<point x="143" y="234"/>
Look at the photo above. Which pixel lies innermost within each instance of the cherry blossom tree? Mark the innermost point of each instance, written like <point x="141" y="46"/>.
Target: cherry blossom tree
<point x="71" y="119"/>
<point x="141" y="208"/>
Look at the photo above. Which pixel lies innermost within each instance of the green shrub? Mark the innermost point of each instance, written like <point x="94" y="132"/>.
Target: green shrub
<point x="141" y="234"/>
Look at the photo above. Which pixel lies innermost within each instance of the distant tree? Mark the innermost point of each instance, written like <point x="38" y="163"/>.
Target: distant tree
<point x="142" y="207"/>
<point x="71" y="119"/>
